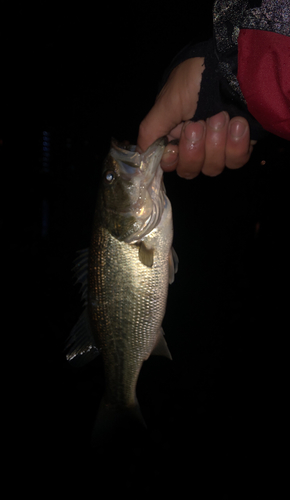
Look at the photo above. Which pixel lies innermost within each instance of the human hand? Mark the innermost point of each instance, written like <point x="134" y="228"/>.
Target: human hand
<point x="204" y="146"/>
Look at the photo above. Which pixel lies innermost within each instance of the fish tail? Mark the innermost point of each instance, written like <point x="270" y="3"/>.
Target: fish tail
<point x="115" y="422"/>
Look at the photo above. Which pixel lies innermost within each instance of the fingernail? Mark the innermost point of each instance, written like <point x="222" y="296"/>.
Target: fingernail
<point x="237" y="129"/>
<point x="169" y="157"/>
<point x="193" y="131"/>
<point x="218" y="121"/>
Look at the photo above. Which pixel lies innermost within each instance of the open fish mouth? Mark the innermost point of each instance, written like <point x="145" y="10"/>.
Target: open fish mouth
<point x="148" y="193"/>
<point x="133" y="163"/>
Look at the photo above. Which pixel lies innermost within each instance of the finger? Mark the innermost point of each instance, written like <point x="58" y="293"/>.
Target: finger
<point x="215" y="144"/>
<point x="156" y="124"/>
<point x="191" y="149"/>
<point x="164" y="117"/>
<point x="238" y="146"/>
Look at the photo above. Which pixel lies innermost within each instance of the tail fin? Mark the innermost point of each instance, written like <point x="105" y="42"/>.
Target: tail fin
<point x="115" y="422"/>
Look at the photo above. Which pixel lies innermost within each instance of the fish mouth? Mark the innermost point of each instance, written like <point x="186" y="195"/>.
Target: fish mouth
<point x="146" y="176"/>
<point x="131" y="161"/>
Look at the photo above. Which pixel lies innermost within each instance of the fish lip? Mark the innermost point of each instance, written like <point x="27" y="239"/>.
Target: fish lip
<point x="159" y="145"/>
<point x="153" y="172"/>
<point x="125" y="154"/>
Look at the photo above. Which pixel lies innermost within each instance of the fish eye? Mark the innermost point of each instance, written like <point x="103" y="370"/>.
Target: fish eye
<point x="109" y="177"/>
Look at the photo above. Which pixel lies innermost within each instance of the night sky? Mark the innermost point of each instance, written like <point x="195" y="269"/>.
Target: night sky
<point x="73" y="79"/>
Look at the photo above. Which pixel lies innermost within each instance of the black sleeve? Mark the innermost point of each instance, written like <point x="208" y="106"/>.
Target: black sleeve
<point x="215" y="93"/>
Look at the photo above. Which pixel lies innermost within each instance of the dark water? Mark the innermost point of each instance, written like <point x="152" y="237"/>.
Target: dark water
<point x="216" y="414"/>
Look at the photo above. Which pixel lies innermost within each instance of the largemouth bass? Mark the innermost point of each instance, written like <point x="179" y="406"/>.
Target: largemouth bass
<point x="130" y="264"/>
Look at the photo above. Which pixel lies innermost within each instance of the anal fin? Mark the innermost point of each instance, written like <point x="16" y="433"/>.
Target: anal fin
<point x="161" y="347"/>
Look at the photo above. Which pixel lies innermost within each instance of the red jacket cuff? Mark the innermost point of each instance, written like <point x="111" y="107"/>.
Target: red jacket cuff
<point x="264" y="78"/>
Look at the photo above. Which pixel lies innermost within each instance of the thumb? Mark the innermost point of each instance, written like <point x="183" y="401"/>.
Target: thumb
<point x="157" y="123"/>
<point x="176" y="102"/>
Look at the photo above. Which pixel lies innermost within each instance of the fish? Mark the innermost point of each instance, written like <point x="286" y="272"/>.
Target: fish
<point x="124" y="277"/>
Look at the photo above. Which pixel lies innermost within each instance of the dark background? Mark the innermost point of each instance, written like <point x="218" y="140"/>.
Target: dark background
<point x="73" y="78"/>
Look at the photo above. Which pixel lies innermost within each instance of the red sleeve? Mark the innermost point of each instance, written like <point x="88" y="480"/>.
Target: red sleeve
<point x="264" y="78"/>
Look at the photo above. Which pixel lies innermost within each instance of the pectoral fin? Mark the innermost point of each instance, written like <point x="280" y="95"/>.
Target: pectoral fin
<point x="173" y="265"/>
<point x="146" y="255"/>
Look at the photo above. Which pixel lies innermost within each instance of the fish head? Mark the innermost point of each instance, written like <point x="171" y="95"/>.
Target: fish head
<point x="132" y="191"/>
